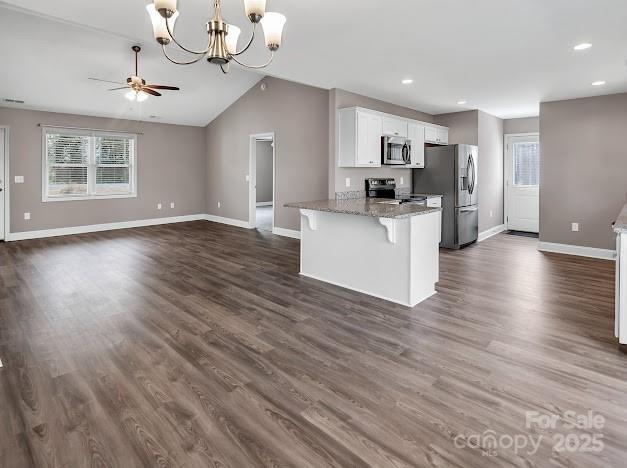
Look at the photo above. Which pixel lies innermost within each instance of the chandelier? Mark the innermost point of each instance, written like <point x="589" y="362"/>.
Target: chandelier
<point x="222" y="44"/>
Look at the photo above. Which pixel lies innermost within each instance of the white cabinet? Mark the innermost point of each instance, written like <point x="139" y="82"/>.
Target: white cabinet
<point x="416" y="133"/>
<point x="359" y="138"/>
<point x="437" y="135"/>
<point x="394" y="126"/>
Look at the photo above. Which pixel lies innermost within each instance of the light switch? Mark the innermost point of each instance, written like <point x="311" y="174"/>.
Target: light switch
<point x="219" y="204"/>
<point x="27" y="216"/>
<point x="575" y="227"/>
<point x="158" y="206"/>
<point x="172" y="205"/>
<point x="247" y="178"/>
<point x="348" y="181"/>
<point x="402" y="180"/>
<point x="19" y="179"/>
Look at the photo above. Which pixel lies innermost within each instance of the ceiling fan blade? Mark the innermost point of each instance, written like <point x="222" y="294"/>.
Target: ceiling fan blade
<point x="150" y="91"/>
<point x="156" y="86"/>
<point x="105" y="81"/>
<point x="121" y="87"/>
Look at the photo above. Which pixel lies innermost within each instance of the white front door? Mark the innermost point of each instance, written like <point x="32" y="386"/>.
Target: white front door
<point x="2" y="183"/>
<point x="522" y="182"/>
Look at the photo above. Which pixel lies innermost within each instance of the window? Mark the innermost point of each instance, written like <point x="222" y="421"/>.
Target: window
<point x="526" y="163"/>
<point x="80" y="164"/>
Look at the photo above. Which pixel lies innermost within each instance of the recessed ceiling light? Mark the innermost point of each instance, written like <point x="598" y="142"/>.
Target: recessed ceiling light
<point x="461" y="103"/>
<point x="583" y="46"/>
<point x="598" y="83"/>
<point x="407" y="81"/>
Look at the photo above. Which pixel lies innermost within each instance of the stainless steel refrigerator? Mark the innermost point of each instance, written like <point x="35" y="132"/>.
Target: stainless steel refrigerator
<point x="451" y="171"/>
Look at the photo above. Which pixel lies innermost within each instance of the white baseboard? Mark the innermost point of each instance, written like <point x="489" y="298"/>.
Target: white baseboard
<point x="578" y="250"/>
<point x="265" y="203"/>
<point x="15" y="236"/>
<point x="286" y="232"/>
<point x="229" y="221"/>
<point x="491" y="232"/>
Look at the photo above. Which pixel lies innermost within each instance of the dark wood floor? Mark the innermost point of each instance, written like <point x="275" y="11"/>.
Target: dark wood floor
<point x="198" y="344"/>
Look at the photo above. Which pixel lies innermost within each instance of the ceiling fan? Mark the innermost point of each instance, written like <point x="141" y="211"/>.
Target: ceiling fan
<point x="138" y="89"/>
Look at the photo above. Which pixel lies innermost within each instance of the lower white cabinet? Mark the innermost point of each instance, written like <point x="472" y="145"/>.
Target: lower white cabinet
<point x="359" y="138"/>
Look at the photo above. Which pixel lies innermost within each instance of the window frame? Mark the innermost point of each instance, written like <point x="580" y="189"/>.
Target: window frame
<point x="91" y="165"/>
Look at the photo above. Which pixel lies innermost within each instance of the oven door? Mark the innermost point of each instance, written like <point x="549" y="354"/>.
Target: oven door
<point x="395" y="151"/>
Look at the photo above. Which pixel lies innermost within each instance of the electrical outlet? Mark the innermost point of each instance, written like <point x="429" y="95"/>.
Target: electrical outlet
<point x="219" y="204"/>
<point x="27" y="216"/>
<point x="348" y="181"/>
<point x="247" y="178"/>
<point x="402" y="181"/>
<point x="19" y="179"/>
<point x="575" y="227"/>
<point x="491" y="213"/>
<point x="172" y="205"/>
<point x="158" y="206"/>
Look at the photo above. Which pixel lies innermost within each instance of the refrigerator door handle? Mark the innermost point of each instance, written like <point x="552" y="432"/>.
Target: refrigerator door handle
<point x="463" y="210"/>
<point x="471" y="164"/>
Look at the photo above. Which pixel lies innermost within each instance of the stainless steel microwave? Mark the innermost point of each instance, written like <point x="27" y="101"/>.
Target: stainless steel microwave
<point x="395" y="150"/>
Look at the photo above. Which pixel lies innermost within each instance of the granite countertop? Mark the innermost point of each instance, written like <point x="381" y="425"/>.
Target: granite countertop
<point x="621" y="222"/>
<point x="428" y="195"/>
<point x="365" y="207"/>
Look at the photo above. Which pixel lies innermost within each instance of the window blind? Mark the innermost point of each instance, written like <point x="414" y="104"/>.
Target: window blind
<point x="526" y="164"/>
<point x="88" y="164"/>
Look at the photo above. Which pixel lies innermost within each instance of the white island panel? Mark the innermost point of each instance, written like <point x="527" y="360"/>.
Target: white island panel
<point x="391" y="258"/>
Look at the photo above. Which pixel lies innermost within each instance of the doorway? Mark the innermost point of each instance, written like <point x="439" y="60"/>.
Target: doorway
<point x="522" y="182"/>
<point x="262" y="181"/>
<point x="4" y="160"/>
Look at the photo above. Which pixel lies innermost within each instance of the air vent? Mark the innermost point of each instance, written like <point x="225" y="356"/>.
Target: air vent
<point x="13" y="101"/>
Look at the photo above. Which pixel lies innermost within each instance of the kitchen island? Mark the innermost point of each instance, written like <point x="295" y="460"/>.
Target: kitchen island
<point x="372" y="245"/>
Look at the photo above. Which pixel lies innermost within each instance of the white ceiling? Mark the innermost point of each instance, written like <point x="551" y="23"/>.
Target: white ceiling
<point x="501" y="56"/>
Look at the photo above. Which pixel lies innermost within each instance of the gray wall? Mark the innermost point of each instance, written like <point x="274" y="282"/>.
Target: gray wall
<point x="490" y="171"/>
<point x="298" y="115"/>
<point x="523" y="125"/>
<point x="463" y="126"/>
<point x="170" y="161"/>
<point x="263" y="154"/>
<point x="583" y="169"/>
<point x="339" y="99"/>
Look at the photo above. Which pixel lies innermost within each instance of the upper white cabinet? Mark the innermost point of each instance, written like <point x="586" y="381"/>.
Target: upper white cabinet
<point x="394" y="126"/>
<point x="436" y="134"/>
<point x="360" y="131"/>
<point x="416" y="133"/>
<point x="360" y="134"/>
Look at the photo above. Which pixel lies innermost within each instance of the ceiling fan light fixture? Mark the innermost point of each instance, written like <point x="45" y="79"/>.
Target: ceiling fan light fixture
<point x="255" y="10"/>
<point x="159" y="27"/>
<point x="141" y="96"/>
<point x="273" y="29"/>
<point x="131" y="95"/>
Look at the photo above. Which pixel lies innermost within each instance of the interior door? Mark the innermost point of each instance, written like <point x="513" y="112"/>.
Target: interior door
<point x="522" y="182"/>
<point x="2" y="184"/>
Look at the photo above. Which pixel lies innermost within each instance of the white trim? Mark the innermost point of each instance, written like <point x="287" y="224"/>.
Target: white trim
<point x="230" y="221"/>
<point x="15" y="236"/>
<point x="491" y="232"/>
<point x="6" y="183"/>
<point x="252" y="176"/>
<point x="286" y="232"/>
<point x="265" y="203"/>
<point x="367" y="293"/>
<point x="578" y="250"/>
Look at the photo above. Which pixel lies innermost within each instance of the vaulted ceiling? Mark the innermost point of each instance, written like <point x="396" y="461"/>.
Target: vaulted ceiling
<point x="500" y="56"/>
